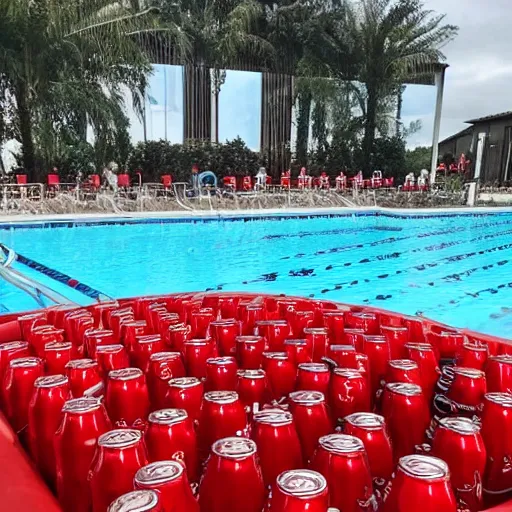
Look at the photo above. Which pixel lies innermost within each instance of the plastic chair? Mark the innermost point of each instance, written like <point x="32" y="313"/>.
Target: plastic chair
<point x="95" y="181"/>
<point x="324" y="181"/>
<point x="246" y="183"/>
<point x="21" y="179"/>
<point x="376" y="179"/>
<point x="166" y="180"/>
<point x="229" y="182"/>
<point x="285" y="179"/>
<point x="123" y="181"/>
<point x="53" y="180"/>
<point x="341" y="181"/>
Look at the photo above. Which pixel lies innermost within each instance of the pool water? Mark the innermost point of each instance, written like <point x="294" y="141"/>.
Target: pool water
<point x="453" y="268"/>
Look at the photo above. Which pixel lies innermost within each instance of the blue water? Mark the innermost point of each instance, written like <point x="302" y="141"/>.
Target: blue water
<point x="457" y="269"/>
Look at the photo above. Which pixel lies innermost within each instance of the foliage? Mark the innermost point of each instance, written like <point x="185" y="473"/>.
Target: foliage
<point x="418" y="158"/>
<point x="155" y="158"/>
<point x="65" y="62"/>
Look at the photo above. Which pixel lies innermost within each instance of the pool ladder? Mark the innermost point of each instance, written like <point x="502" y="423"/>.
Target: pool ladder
<point x="38" y="291"/>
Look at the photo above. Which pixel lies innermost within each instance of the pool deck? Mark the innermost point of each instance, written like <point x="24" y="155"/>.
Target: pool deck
<point x="20" y="220"/>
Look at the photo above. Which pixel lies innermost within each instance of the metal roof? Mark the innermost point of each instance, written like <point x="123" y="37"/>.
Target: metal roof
<point x="502" y="115"/>
<point x="462" y="133"/>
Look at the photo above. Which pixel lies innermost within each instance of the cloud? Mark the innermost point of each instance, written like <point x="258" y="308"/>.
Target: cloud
<point x="480" y="58"/>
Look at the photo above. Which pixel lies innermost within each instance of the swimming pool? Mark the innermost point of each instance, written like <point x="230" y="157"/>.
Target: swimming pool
<point x="453" y="268"/>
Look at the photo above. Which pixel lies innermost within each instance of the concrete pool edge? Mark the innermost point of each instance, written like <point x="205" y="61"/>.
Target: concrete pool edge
<point x="26" y="221"/>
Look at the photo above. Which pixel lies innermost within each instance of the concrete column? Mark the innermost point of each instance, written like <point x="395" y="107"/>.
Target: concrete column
<point x="437" y="123"/>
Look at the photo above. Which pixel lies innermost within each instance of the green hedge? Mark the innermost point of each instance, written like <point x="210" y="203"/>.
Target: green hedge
<point x="155" y="158"/>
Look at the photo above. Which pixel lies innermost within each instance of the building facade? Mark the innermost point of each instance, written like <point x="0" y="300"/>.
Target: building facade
<point x="496" y="131"/>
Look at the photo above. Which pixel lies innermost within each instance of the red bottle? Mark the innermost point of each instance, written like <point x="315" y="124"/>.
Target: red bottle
<point x="274" y="332"/>
<point x="169" y="479"/>
<point x="40" y="336"/>
<point x="10" y="351"/>
<point x="403" y="370"/>
<point x="130" y="331"/>
<point x="222" y="415"/>
<point x="170" y="435"/>
<point x="252" y="387"/>
<point x="317" y="339"/>
<point x="343" y="355"/>
<point x="232" y="479"/>
<point x="221" y="374"/>
<point x="185" y="393"/>
<point x="75" y="444"/>
<point x="397" y="337"/>
<point x="142" y="349"/>
<point x="311" y="419"/>
<point x="200" y="322"/>
<point x="377" y="350"/>
<point x="342" y="460"/>
<point x="178" y="334"/>
<point x="249" y="352"/>
<point x="18" y="387"/>
<point x="44" y="417"/>
<point x="355" y="337"/>
<point x="334" y="322"/>
<point x="196" y="352"/>
<point x="467" y="390"/>
<point x="162" y="367"/>
<point x="84" y="378"/>
<point x="137" y="501"/>
<point x="224" y="332"/>
<point x="423" y="482"/>
<point x="472" y="355"/>
<point x="498" y="374"/>
<point x="298" y="351"/>
<point x="127" y="398"/>
<point x="278" y="443"/>
<point x="348" y="393"/>
<point x="111" y="357"/>
<point x="371" y="429"/>
<point x="120" y="454"/>
<point x="299" y="490"/>
<point x="459" y="442"/>
<point x="314" y="377"/>
<point x="407" y="416"/>
<point x="56" y="355"/>
<point x="281" y="374"/>
<point x="447" y="343"/>
<point x="423" y="354"/>
<point x="496" y="428"/>
<point x="95" y="337"/>
<point x="249" y="314"/>
<point x="368" y="322"/>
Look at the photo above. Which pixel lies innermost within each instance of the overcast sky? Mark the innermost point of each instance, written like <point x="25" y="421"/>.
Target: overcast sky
<point x="480" y="73"/>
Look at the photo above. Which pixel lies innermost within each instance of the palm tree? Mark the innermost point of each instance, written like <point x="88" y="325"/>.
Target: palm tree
<point x="64" y="63"/>
<point x="394" y="41"/>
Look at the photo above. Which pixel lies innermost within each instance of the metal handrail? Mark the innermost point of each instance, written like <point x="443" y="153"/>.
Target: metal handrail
<point x="33" y="288"/>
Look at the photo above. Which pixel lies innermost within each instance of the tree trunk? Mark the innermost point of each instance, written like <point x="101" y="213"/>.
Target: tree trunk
<point x="25" y="126"/>
<point x="304" y="114"/>
<point x="276" y="121"/>
<point x="197" y="103"/>
<point x="369" y="128"/>
<point x="399" y="103"/>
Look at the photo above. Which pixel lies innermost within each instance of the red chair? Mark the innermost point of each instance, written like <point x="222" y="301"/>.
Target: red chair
<point x="53" y="180"/>
<point x="229" y="182"/>
<point x="389" y="182"/>
<point x="341" y="181"/>
<point x="246" y="183"/>
<point x="285" y="179"/>
<point x="95" y="181"/>
<point x="21" y="179"/>
<point x="123" y="181"/>
<point x="324" y="181"/>
<point x="166" y="180"/>
<point x="377" y="179"/>
<point x="268" y="180"/>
